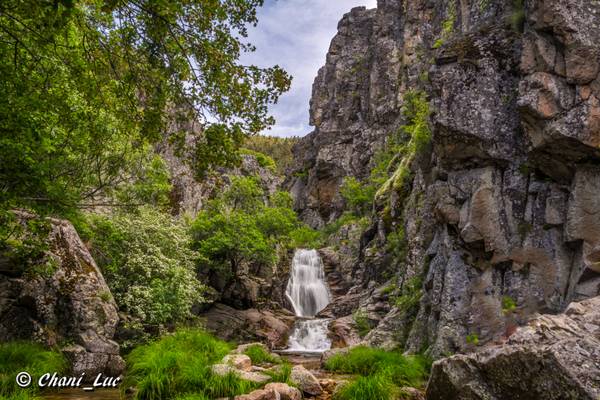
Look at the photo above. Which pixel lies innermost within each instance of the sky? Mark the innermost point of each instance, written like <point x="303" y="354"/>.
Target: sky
<point x="295" y="34"/>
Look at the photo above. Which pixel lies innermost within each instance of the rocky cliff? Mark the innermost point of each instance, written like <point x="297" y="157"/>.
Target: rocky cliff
<point x="499" y="216"/>
<point x="354" y="106"/>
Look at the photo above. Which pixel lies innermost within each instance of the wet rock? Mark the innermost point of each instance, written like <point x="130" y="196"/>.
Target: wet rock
<point x="553" y="357"/>
<point x="270" y="326"/>
<point x="305" y="381"/>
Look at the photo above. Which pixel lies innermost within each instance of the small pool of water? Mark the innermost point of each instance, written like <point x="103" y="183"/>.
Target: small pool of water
<point x="80" y="394"/>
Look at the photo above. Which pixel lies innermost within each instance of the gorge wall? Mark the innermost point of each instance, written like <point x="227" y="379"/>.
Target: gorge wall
<point x="499" y="217"/>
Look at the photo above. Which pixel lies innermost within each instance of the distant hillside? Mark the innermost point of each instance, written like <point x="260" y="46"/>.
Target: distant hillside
<point x="280" y="149"/>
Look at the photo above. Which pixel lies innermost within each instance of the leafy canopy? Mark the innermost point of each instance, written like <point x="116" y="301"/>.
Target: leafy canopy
<point x="88" y="86"/>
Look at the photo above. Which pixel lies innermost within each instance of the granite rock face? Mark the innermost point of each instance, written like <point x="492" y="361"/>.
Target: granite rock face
<point x="553" y="357"/>
<point x="353" y="108"/>
<point x="499" y="217"/>
<point x="69" y="304"/>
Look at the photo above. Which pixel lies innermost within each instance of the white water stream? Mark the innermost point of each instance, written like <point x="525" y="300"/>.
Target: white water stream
<point x="308" y="293"/>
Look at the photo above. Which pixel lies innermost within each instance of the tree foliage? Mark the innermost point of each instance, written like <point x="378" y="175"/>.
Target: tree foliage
<point x="88" y="86"/>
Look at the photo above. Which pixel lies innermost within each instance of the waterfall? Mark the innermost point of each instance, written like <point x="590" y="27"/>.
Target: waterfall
<point x="306" y="288"/>
<point x="308" y="293"/>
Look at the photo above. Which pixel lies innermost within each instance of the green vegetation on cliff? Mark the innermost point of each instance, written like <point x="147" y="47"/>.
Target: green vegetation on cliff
<point x="391" y="164"/>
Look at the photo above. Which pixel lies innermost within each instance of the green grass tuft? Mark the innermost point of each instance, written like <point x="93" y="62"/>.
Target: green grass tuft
<point x="282" y="373"/>
<point x="372" y="387"/>
<point x="259" y="355"/>
<point x="31" y="357"/>
<point x="395" y="367"/>
<point x="180" y="364"/>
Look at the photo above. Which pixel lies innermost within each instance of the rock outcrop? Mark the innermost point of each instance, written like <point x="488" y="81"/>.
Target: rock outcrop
<point x="499" y="216"/>
<point x="269" y="326"/>
<point x="67" y="305"/>
<point x="553" y="357"/>
<point x="354" y="106"/>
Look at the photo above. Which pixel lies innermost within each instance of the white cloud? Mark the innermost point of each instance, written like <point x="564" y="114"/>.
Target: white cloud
<point x="295" y="34"/>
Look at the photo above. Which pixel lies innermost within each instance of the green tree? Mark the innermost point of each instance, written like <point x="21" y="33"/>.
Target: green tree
<point x="88" y="86"/>
<point x="244" y="225"/>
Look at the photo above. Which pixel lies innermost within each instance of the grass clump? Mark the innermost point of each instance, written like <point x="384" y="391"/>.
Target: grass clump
<point x="180" y="364"/>
<point x="31" y="357"/>
<point x="373" y="387"/>
<point x="386" y="369"/>
<point x="282" y="373"/>
<point x="259" y="355"/>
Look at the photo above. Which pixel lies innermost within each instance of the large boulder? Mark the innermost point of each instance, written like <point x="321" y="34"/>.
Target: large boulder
<point x="67" y="303"/>
<point x="306" y="381"/>
<point x="268" y="326"/>
<point x="553" y="357"/>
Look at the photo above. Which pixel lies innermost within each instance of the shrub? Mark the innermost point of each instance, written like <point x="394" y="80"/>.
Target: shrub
<point x="180" y="364"/>
<point x="416" y="112"/>
<point x="22" y="356"/>
<point x="396" y="368"/>
<point x="517" y="18"/>
<point x="410" y="296"/>
<point x="148" y="265"/>
<point x="24" y="243"/>
<point x="358" y="196"/>
<point x="447" y="25"/>
<point x="259" y="355"/>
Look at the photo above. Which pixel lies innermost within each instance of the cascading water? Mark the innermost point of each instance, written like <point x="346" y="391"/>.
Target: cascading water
<point x="308" y="293"/>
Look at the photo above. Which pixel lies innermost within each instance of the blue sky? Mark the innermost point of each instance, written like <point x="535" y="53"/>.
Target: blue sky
<point x="295" y="34"/>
